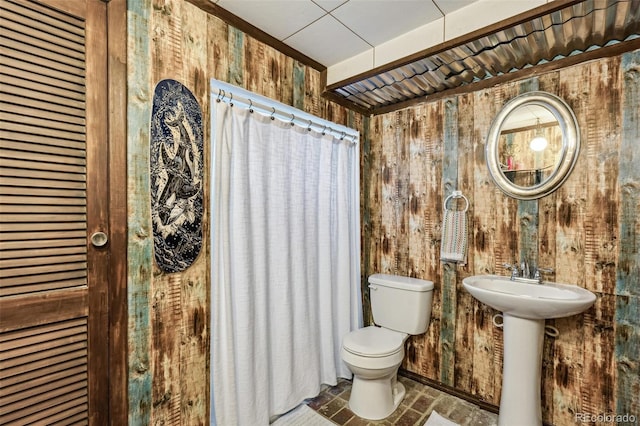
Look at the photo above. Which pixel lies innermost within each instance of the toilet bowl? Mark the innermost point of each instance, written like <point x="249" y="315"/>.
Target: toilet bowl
<point x="401" y="307"/>
<point x="374" y="355"/>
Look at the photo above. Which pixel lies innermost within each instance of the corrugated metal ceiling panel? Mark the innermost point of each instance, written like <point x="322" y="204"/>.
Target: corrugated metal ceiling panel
<point x="569" y="31"/>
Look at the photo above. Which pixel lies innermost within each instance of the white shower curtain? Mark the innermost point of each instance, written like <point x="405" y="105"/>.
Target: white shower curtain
<point x="285" y="263"/>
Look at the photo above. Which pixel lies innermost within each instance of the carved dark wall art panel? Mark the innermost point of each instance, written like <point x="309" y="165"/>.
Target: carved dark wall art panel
<point x="176" y="176"/>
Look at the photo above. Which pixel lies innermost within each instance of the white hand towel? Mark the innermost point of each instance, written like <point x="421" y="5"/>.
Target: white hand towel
<point x="453" y="247"/>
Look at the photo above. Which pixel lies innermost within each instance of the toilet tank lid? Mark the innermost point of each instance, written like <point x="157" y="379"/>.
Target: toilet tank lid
<point x="398" y="281"/>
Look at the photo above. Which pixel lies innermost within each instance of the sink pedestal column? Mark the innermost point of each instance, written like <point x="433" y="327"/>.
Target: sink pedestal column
<point x="520" y="402"/>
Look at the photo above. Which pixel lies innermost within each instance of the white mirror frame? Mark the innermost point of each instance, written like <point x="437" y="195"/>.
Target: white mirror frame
<point x="569" y="153"/>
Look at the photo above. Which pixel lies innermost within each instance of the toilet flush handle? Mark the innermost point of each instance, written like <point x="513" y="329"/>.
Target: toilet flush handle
<point x="373" y="287"/>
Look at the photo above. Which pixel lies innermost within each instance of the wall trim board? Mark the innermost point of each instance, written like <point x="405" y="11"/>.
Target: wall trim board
<point x="487" y="406"/>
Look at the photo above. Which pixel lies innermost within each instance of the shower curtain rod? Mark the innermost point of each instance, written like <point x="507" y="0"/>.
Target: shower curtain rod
<point x="234" y="95"/>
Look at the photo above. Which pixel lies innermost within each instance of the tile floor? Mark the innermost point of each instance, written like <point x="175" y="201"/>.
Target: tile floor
<point x="414" y="410"/>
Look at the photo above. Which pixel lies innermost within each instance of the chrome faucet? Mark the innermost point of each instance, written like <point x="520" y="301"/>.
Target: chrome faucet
<point x="515" y="272"/>
<point x="524" y="272"/>
<point x="538" y="274"/>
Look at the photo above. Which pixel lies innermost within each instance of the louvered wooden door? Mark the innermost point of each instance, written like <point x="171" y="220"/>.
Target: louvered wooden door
<point x="53" y="198"/>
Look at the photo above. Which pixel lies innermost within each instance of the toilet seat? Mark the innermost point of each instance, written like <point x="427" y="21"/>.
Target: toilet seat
<point x="374" y="342"/>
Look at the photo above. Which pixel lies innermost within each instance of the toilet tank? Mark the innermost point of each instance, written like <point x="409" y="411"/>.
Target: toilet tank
<point x="401" y="303"/>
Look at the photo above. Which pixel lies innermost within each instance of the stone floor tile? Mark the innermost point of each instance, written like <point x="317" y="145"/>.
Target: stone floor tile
<point x="482" y="418"/>
<point x="320" y="400"/>
<point x="460" y="412"/>
<point x="408" y="418"/>
<point x="414" y="410"/>
<point x="335" y="405"/>
<point x="343" y="416"/>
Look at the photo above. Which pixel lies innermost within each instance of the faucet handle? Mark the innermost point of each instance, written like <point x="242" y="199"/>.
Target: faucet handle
<point x="513" y="268"/>
<point x="540" y="271"/>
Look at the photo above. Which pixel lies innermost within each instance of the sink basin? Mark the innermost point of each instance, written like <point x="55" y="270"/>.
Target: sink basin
<point x="525" y="307"/>
<point x="528" y="300"/>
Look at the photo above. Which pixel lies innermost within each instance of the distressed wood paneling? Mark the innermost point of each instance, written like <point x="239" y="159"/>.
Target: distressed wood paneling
<point x="601" y="144"/>
<point x="417" y="191"/>
<point x="467" y="142"/>
<point x="429" y="360"/>
<point x="547" y="259"/>
<point x="449" y="276"/>
<point x="402" y="192"/>
<point x="166" y="318"/>
<point x="298" y="85"/>
<point x="483" y="245"/>
<point x="236" y="59"/>
<point x="587" y="231"/>
<point x="217" y="49"/>
<point x="388" y="200"/>
<point x="417" y="233"/>
<point x="194" y="289"/>
<point x="371" y="181"/>
<point x="627" y="290"/>
<point x="570" y="257"/>
<point x="169" y="313"/>
<point x="527" y="214"/>
<point x="140" y="243"/>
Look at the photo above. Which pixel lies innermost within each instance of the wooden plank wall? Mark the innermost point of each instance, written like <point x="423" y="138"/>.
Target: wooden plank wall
<point x="411" y="160"/>
<point x="588" y="231"/>
<point x="169" y="314"/>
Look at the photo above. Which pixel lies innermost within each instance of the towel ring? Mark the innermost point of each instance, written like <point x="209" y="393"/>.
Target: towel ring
<point x="456" y="194"/>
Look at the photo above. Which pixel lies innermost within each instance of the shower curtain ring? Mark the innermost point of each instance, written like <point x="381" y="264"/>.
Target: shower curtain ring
<point x="293" y="117"/>
<point x="342" y="136"/>
<point x="323" y="129"/>
<point x="220" y="95"/>
<point x="273" y="113"/>
<point x="250" y="106"/>
<point x="230" y="99"/>
<point x="309" y="127"/>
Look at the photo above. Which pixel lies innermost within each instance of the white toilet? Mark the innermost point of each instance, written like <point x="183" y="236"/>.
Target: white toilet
<point x="401" y="306"/>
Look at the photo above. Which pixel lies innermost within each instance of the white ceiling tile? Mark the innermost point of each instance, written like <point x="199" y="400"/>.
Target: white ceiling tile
<point x="278" y="18"/>
<point x="329" y="5"/>
<point x="327" y="41"/>
<point x="448" y="6"/>
<point x="343" y="33"/>
<point x="380" y="20"/>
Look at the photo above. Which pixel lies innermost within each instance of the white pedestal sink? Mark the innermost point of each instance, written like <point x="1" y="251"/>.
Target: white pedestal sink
<point x="525" y="306"/>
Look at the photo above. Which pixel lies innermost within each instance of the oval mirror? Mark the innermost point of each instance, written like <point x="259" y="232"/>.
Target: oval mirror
<point x="533" y="145"/>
